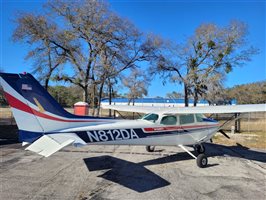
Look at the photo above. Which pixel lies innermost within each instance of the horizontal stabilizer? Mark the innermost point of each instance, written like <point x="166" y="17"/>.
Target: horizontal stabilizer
<point x="49" y="144"/>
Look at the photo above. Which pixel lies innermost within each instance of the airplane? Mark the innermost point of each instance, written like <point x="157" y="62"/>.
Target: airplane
<point x="45" y="127"/>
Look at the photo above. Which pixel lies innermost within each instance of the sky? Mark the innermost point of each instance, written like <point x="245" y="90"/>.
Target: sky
<point x="171" y="19"/>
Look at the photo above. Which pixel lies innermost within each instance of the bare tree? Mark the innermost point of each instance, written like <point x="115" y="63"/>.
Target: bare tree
<point x="113" y="61"/>
<point x="90" y="25"/>
<point x="37" y="32"/>
<point x="211" y="52"/>
<point x="216" y="94"/>
<point x="137" y="83"/>
<point x="97" y="43"/>
<point x="102" y="39"/>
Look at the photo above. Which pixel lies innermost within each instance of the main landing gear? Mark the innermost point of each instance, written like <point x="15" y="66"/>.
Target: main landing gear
<point x="150" y="148"/>
<point x="202" y="160"/>
<point x="199" y="148"/>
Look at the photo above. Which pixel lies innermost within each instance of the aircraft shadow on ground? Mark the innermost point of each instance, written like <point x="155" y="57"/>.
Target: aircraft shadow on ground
<point x="235" y="151"/>
<point x="137" y="177"/>
<point x="8" y="141"/>
<point x="128" y="174"/>
<point x="134" y="176"/>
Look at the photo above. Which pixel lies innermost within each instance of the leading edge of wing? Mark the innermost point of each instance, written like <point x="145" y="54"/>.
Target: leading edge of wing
<point x="246" y="108"/>
<point x="190" y="110"/>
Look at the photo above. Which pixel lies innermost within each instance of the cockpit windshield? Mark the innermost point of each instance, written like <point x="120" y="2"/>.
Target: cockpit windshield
<point x="151" y="117"/>
<point x="200" y="117"/>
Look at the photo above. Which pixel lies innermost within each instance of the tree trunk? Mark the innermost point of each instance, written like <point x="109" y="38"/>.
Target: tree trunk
<point x="100" y="98"/>
<point x="93" y="99"/>
<point x="186" y="95"/>
<point x="196" y="97"/>
<point x="110" y="97"/>
<point x="85" y="94"/>
<point x="47" y="79"/>
<point x="46" y="83"/>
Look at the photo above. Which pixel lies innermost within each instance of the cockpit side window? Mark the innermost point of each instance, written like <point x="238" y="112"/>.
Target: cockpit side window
<point x="169" y="120"/>
<point x="151" y="117"/>
<point x="186" y="119"/>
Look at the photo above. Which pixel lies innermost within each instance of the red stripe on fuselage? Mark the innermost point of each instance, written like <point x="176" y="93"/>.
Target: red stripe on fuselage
<point x="15" y="103"/>
<point x="176" y="128"/>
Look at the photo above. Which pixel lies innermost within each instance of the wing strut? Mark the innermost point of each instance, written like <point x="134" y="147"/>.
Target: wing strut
<point x="185" y="149"/>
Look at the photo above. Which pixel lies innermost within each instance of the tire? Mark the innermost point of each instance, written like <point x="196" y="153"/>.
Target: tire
<point x="150" y="148"/>
<point x="200" y="149"/>
<point x="202" y="161"/>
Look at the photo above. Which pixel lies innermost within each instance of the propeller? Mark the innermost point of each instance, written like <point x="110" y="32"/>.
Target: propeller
<point x="222" y="132"/>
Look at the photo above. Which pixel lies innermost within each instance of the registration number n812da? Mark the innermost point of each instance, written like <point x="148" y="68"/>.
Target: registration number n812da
<point x="111" y="135"/>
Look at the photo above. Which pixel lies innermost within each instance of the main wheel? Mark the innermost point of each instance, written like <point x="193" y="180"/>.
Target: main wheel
<point x="202" y="161"/>
<point x="150" y="148"/>
<point x="200" y="148"/>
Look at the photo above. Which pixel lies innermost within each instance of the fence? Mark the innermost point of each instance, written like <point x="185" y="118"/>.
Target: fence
<point x="249" y="122"/>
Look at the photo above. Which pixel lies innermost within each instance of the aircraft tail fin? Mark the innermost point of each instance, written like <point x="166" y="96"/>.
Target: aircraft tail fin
<point x="36" y="112"/>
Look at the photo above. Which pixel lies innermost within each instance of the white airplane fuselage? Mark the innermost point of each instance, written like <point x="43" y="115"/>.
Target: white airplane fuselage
<point x="143" y="132"/>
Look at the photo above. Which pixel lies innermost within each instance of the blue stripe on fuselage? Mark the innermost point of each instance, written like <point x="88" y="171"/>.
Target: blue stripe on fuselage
<point x="209" y="120"/>
<point x="125" y="134"/>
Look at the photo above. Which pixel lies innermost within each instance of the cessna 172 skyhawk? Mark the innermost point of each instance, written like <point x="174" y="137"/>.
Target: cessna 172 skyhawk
<point x="47" y="127"/>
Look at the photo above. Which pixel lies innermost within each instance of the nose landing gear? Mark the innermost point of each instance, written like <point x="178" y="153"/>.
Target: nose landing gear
<point x="202" y="160"/>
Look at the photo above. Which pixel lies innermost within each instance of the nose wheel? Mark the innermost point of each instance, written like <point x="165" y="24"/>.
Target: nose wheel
<point x="202" y="160"/>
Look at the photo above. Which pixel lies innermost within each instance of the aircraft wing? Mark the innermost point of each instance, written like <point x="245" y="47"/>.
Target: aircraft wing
<point x="222" y="109"/>
<point x="191" y="110"/>
<point x="49" y="144"/>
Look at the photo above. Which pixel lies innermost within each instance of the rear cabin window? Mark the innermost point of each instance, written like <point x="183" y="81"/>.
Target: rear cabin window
<point x="169" y="120"/>
<point x="186" y="119"/>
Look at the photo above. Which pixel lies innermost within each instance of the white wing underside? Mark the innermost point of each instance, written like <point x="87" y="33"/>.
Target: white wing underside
<point x="190" y="110"/>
